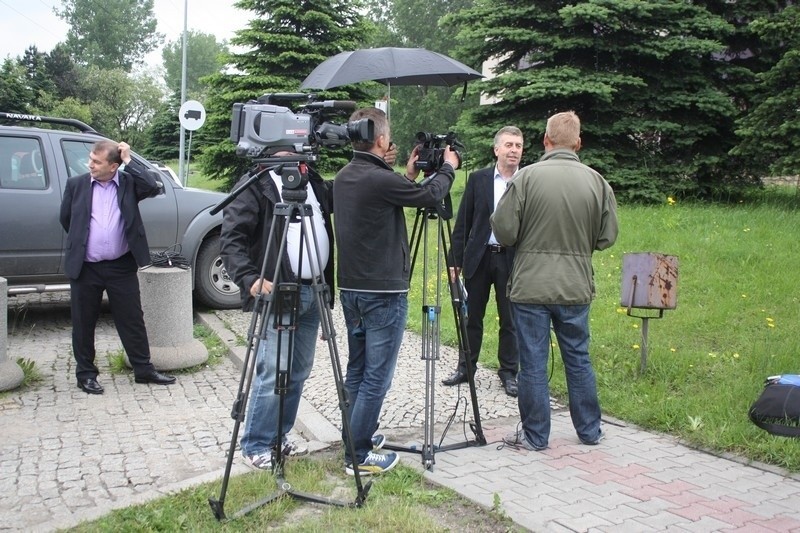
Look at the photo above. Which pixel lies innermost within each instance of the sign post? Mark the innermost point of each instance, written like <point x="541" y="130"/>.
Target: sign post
<point x="192" y="116"/>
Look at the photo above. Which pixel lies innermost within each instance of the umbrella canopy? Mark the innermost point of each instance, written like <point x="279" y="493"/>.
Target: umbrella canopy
<point x="390" y="66"/>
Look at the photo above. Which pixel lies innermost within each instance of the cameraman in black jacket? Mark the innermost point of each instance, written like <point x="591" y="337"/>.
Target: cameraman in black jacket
<point x="246" y="225"/>
<point x="373" y="265"/>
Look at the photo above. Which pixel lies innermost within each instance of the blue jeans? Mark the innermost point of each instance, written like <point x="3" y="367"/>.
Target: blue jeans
<point x="571" y="325"/>
<point x="261" y="424"/>
<point x="375" y="325"/>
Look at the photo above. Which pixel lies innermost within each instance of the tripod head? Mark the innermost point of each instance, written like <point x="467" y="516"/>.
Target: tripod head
<point x="443" y="209"/>
<point x="293" y="170"/>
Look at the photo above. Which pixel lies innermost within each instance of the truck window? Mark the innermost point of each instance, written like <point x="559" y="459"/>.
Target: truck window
<point x="21" y="164"/>
<point x="76" y="156"/>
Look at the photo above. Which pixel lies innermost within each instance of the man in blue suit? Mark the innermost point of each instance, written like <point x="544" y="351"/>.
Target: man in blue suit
<point x="483" y="262"/>
<point x="106" y="243"/>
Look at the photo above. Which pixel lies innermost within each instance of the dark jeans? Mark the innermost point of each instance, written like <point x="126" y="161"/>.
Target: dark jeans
<point x="571" y="325"/>
<point x="375" y="325"/>
<point x="261" y="425"/>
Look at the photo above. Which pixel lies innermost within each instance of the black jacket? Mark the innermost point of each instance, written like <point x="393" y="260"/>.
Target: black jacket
<point x="371" y="236"/>
<point x="472" y="228"/>
<point x="135" y="184"/>
<point x="246" y="225"/>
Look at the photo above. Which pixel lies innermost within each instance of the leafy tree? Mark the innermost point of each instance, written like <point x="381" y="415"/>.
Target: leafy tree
<point x="771" y="132"/>
<point x="38" y="80"/>
<point x="62" y="71"/>
<point x="69" y="107"/>
<point x="110" y="33"/>
<point x="284" y="42"/>
<point x="421" y="108"/>
<point x="204" y="56"/>
<point x="163" y="133"/>
<point x="121" y="105"/>
<point x="15" y="93"/>
<point x="642" y="75"/>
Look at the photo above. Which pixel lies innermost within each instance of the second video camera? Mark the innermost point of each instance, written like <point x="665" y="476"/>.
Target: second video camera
<point x="431" y="150"/>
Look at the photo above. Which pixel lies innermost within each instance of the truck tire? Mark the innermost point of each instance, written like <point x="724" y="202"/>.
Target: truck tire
<point x="212" y="286"/>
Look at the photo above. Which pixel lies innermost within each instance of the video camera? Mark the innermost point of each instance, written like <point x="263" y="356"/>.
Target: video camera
<point x="431" y="150"/>
<point x="263" y="127"/>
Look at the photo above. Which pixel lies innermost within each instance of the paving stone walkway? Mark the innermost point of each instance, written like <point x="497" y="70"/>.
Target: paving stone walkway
<point x="66" y="456"/>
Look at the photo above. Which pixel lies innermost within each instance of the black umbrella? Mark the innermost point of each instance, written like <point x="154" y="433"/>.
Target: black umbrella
<point x="390" y="66"/>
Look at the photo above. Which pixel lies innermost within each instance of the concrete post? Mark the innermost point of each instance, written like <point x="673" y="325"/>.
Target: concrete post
<point x="168" y="316"/>
<point x="11" y="375"/>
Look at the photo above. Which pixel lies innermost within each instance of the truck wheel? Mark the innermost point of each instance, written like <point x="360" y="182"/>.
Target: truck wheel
<point x="212" y="286"/>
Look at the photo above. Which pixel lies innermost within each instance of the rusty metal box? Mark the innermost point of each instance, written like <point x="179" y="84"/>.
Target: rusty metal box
<point x="649" y="281"/>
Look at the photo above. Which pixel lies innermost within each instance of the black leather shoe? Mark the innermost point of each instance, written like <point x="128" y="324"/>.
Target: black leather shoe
<point x="459" y="376"/>
<point x="510" y="385"/>
<point x="155" y="377"/>
<point x="90" y="386"/>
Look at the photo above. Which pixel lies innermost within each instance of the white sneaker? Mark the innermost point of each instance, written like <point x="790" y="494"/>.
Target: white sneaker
<point x="261" y="461"/>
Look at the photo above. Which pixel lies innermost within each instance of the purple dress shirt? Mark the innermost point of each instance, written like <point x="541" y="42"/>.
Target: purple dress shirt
<point x="106" y="227"/>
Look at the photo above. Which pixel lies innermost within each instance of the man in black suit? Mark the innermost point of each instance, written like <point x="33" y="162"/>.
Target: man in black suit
<point x="483" y="262"/>
<point x="106" y="243"/>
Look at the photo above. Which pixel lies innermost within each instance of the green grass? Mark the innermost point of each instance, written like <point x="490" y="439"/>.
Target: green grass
<point x="217" y="352"/>
<point x="30" y="372"/>
<point x="402" y="501"/>
<point x="734" y="325"/>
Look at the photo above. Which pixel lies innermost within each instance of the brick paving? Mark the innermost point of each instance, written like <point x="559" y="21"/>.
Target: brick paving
<point x="66" y="456"/>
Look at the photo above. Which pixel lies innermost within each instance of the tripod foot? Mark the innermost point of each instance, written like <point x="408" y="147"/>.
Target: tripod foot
<point x="217" y="507"/>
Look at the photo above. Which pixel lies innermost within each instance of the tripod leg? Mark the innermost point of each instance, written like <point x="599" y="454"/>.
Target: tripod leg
<point x="458" y="298"/>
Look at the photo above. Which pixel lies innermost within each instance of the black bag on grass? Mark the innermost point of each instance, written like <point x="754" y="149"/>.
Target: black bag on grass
<point x="777" y="410"/>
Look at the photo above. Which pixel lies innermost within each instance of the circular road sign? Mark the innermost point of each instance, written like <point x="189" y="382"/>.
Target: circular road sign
<point x="192" y="115"/>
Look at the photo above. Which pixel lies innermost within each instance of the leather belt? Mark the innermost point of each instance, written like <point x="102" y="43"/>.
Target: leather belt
<point x="304" y="281"/>
<point x="496" y="248"/>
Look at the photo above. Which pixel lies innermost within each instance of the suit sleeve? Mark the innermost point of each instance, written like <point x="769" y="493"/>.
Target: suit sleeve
<point x="144" y="183"/>
<point x="463" y="226"/>
<point x="65" y="216"/>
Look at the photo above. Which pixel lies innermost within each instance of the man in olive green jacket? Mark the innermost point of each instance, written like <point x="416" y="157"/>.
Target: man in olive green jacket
<point x="556" y="213"/>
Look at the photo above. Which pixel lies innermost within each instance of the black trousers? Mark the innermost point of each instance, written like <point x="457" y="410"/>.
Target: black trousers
<point x="492" y="271"/>
<point x="118" y="279"/>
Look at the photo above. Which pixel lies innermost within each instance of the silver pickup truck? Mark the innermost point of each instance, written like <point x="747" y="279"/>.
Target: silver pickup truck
<point x="35" y="163"/>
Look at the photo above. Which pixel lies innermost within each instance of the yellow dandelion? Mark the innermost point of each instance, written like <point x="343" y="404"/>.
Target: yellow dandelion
<point x="635" y="346"/>
<point x="735" y="355"/>
<point x="712" y="355"/>
<point x="770" y="319"/>
<point x="621" y="310"/>
<point x="670" y="200"/>
<point x="636" y="326"/>
<point x="744" y="296"/>
<point x="771" y="325"/>
<point x="746" y="230"/>
<point x="673" y="350"/>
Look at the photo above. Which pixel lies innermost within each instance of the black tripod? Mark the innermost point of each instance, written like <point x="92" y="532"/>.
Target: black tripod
<point x="282" y="305"/>
<point x="431" y="341"/>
